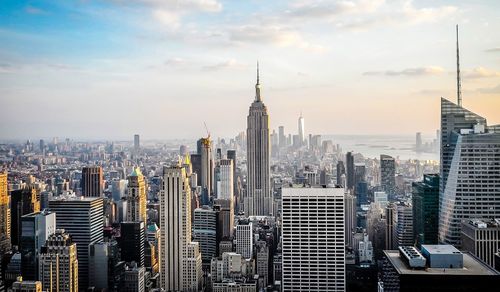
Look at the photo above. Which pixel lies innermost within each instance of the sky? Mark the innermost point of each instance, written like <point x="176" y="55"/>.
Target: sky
<point x="162" y="68"/>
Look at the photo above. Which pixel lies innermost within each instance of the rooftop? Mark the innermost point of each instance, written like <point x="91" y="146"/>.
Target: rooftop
<point x="440" y="249"/>
<point x="472" y="266"/>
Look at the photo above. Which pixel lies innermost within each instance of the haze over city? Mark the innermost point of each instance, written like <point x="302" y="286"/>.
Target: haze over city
<point x="109" y="69"/>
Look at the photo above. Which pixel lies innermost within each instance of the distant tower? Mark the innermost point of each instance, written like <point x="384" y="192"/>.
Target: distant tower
<point x="349" y="160"/>
<point x="388" y="174"/>
<point x="92" y="181"/>
<point x="459" y="81"/>
<point x="302" y="134"/>
<point x="137" y="143"/>
<point x="136" y="197"/>
<point x="59" y="263"/>
<point x="258" y="196"/>
<point x="207" y="169"/>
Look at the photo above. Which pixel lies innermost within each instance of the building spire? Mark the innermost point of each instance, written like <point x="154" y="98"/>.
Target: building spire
<point x="459" y="81"/>
<point x="257" y="85"/>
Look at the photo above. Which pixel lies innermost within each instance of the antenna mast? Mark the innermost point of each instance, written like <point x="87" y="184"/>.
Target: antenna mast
<point x="459" y="81"/>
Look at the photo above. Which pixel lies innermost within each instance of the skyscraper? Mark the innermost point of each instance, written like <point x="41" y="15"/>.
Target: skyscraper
<point x="469" y="181"/>
<point x="425" y="201"/>
<point x="244" y="238"/>
<point x="340" y="172"/>
<point x="137" y="143"/>
<point x="207" y="170"/>
<point x="59" y="263"/>
<point x="302" y="134"/>
<point x="404" y="225"/>
<point x="180" y="258"/>
<point x="35" y="230"/>
<point x="281" y="137"/>
<point x="82" y="218"/>
<point x="4" y="214"/>
<point x="136" y="197"/>
<point x="226" y="190"/>
<point x="23" y="201"/>
<point x="205" y="232"/>
<point x="349" y="160"/>
<point x="92" y="181"/>
<point x="388" y="174"/>
<point x="132" y="241"/>
<point x="313" y="239"/>
<point x="258" y="199"/>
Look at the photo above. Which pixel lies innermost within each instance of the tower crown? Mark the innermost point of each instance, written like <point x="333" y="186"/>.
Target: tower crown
<point x="257" y="85"/>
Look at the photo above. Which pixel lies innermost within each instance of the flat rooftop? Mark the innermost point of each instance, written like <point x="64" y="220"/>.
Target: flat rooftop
<point x="307" y="191"/>
<point x="472" y="266"/>
<point x="441" y="249"/>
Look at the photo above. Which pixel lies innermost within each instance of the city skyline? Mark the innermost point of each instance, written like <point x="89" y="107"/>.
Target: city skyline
<point x="97" y="64"/>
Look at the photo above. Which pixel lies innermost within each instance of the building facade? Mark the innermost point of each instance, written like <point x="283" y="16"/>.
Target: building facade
<point x="92" y="183"/>
<point x="136" y="197"/>
<point x="425" y="201"/>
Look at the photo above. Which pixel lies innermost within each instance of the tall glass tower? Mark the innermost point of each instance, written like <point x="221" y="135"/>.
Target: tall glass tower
<point x="469" y="170"/>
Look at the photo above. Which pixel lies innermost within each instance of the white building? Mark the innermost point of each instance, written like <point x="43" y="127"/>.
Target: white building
<point x="180" y="258"/>
<point x="244" y="239"/>
<point x="226" y="188"/>
<point x="381" y="199"/>
<point x="313" y="251"/>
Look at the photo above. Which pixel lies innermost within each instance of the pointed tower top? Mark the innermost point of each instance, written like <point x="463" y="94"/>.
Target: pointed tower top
<point x="257" y="85"/>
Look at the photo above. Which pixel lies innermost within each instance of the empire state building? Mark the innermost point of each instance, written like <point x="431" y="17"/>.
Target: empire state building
<point x="258" y="200"/>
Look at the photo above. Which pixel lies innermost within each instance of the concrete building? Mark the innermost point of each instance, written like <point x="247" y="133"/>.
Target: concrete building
<point x="404" y="225"/>
<point x="82" y="218"/>
<point x="26" y="286"/>
<point x="226" y="189"/>
<point x="59" y="263"/>
<point x="180" y="258"/>
<point x="445" y="269"/>
<point x="137" y="143"/>
<point x="262" y="262"/>
<point x="92" y="182"/>
<point x="23" y="201"/>
<point x="481" y="238"/>
<point x="313" y="250"/>
<point x="4" y="214"/>
<point x="350" y="218"/>
<point x="136" y="197"/>
<point x="388" y="174"/>
<point x="258" y="199"/>
<point x="133" y="279"/>
<point x="244" y="239"/>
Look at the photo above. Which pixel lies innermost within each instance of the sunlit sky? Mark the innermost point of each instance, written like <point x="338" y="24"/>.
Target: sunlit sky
<point x="110" y="69"/>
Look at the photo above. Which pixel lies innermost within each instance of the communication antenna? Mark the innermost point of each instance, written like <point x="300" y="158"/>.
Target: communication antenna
<point x="459" y="81"/>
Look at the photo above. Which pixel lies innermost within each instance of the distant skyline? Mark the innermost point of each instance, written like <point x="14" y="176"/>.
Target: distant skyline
<point x="111" y="69"/>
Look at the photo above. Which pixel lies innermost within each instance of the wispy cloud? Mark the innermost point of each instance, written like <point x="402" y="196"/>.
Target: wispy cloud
<point x="419" y="71"/>
<point x="34" y="10"/>
<point x="228" y="64"/>
<point x="493" y="50"/>
<point x="480" y="72"/>
<point x="490" y="90"/>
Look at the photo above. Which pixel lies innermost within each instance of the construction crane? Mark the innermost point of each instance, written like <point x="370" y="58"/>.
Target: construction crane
<point x="206" y="129"/>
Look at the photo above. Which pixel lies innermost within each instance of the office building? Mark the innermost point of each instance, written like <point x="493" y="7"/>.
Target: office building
<point x="136" y="197"/>
<point x="207" y="170"/>
<point x="404" y="225"/>
<point x="258" y="200"/>
<point x="82" y="218"/>
<point x="59" y="263"/>
<point x="133" y="278"/>
<point x="35" y="230"/>
<point x="350" y="218"/>
<point x="436" y="268"/>
<point x="137" y="143"/>
<point x="388" y="174"/>
<point x="226" y="189"/>
<point x="4" y="214"/>
<point x="381" y="199"/>
<point x="302" y="134"/>
<point x="105" y="266"/>
<point x="281" y="137"/>
<point x="92" y="182"/>
<point x="118" y="189"/>
<point x="205" y="232"/>
<point x="180" y="258"/>
<point x="132" y="241"/>
<point x="349" y="160"/>
<point x="225" y="218"/>
<point x="313" y="249"/>
<point x="340" y="172"/>
<point x="391" y="220"/>
<point x="244" y="239"/>
<point x="482" y="238"/>
<point x="153" y="259"/>
<point x="425" y="202"/>
<point x="26" y="286"/>
<point x="23" y="201"/>
<point x="262" y="262"/>
<point x="469" y="181"/>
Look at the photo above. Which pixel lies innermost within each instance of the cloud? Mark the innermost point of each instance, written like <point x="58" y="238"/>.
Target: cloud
<point x="479" y="72"/>
<point x="229" y="64"/>
<point x="419" y="71"/>
<point x="490" y="90"/>
<point x="277" y="35"/>
<point x="175" y="62"/>
<point x="493" y="50"/>
<point x="33" y="10"/>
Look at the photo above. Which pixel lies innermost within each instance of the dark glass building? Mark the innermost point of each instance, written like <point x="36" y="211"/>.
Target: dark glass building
<point x="132" y="242"/>
<point x="425" y="201"/>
